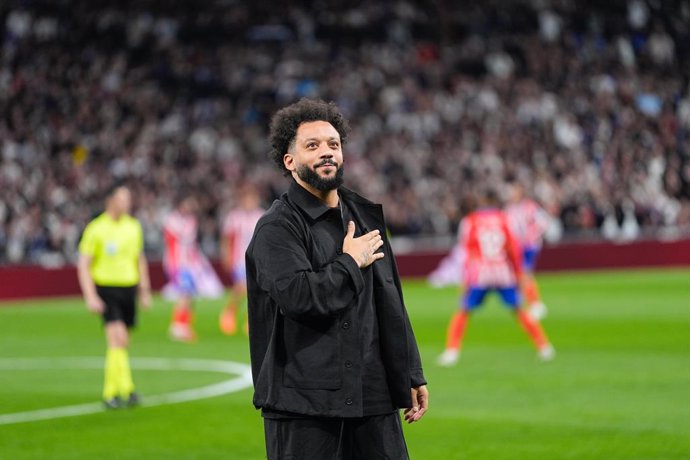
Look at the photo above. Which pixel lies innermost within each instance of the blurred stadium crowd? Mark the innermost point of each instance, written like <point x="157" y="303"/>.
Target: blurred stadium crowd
<point x="587" y="103"/>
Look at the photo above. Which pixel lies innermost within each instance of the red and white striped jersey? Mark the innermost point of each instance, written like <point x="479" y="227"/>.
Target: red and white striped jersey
<point x="529" y="222"/>
<point x="181" y="249"/>
<point x="492" y="254"/>
<point x="238" y="229"/>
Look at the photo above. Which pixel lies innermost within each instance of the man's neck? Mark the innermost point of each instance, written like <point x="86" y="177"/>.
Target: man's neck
<point x="329" y="197"/>
<point x="113" y="215"/>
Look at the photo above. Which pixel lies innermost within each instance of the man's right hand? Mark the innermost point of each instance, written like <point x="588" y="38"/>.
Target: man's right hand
<point x="95" y="304"/>
<point x="362" y="249"/>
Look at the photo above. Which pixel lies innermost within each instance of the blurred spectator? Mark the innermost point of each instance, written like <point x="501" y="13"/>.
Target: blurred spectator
<point x="588" y="105"/>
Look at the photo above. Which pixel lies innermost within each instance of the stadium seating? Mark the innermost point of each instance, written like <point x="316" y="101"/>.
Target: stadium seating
<point x="588" y="106"/>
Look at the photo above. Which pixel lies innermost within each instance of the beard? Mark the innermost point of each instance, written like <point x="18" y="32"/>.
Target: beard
<point x="311" y="177"/>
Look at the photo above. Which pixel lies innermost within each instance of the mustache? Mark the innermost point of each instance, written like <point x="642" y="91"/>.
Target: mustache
<point x="326" y="162"/>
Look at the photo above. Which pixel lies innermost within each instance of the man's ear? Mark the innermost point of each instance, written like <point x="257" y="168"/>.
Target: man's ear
<point x="289" y="162"/>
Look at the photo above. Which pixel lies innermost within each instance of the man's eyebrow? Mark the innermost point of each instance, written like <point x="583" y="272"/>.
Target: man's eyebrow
<point x="332" y="138"/>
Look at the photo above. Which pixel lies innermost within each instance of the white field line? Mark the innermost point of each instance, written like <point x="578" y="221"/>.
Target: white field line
<point x="241" y="372"/>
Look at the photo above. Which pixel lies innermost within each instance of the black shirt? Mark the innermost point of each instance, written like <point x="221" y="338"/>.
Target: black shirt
<point x="329" y="226"/>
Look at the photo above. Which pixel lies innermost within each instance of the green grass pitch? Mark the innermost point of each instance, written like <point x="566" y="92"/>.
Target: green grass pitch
<point x="618" y="389"/>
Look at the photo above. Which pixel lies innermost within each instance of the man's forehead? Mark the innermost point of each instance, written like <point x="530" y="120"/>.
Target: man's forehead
<point x="317" y="129"/>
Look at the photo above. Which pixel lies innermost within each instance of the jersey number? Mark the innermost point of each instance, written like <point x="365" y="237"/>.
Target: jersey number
<point x="491" y="243"/>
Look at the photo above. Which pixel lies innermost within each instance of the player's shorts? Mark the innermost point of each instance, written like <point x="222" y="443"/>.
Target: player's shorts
<point x="120" y="304"/>
<point x="239" y="274"/>
<point x="184" y="282"/>
<point x="529" y="258"/>
<point x="474" y="296"/>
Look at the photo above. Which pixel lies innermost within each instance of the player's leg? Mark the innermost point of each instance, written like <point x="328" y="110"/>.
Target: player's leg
<point x="471" y="300"/>
<point x="237" y="303"/>
<point x="112" y="320"/>
<point x="228" y="317"/>
<point x="111" y="397"/>
<point x="535" y="305"/>
<point x="119" y="317"/>
<point x="511" y="297"/>
<point x="181" y="326"/>
<point x="118" y="380"/>
<point x="118" y="373"/>
<point x="129" y="315"/>
<point x="182" y="317"/>
<point x="304" y="438"/>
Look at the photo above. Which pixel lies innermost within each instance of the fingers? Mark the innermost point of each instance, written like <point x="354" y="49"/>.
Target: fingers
<point x="363" y="248"/>
<point x="146" y="301"/>
<point x="376" y="256"/>
<point x="372" y="235"/>
<point x="423" y="398"/>
<point x="420" y="401"/>
<point x="96" y="307"/>
<point x="412" y="411"/>
<point x="420" y="413"/>
<point x="350" y="230"/>
<point x="410" y="414"/>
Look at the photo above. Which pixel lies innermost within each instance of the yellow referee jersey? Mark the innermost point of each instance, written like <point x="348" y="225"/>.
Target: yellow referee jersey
<point x="115" y="246"/>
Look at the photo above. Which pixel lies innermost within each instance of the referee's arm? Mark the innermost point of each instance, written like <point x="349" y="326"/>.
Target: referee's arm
<point x="88" y="288"/>
<point x="144" y="282"/>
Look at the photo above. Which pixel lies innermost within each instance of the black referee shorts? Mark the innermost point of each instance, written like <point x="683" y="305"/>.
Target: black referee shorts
<point x="378" y="437"/>
<point x="120" y="304"/>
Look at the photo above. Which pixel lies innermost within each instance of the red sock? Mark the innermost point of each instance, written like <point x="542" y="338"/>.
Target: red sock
<point x="531" y="290"/>
<point x="231" y="307"/>
<point x="182" y="316"/>
<point x="533" y="328"/>
<point x="456" y="330"/>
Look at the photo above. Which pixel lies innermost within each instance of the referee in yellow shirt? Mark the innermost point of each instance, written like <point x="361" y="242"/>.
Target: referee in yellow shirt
<point x="111" y="267"/>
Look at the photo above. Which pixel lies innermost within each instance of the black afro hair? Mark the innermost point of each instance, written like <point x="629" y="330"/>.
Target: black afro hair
<point x="285" y="122"/>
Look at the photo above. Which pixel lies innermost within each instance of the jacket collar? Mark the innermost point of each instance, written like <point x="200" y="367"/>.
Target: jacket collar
<point x="307" y="202"/>
<point x="316" y="208"/>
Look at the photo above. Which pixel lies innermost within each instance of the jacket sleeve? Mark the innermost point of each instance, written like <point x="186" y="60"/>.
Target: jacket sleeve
<point x="416" y="374"/>
<point x="283" y="269"/>
<point x="414" y="360"/>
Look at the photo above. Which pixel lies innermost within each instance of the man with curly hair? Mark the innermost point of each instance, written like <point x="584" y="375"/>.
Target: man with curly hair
<point x="333" y="354"/>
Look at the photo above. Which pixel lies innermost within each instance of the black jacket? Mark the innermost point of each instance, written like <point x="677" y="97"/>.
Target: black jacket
<point x="298" y="305"/>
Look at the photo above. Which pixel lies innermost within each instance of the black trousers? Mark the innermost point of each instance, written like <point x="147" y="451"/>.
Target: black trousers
<point x="379" y="437"/>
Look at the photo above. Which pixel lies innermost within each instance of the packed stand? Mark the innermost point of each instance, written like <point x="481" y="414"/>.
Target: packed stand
<point x="587" y="105"/>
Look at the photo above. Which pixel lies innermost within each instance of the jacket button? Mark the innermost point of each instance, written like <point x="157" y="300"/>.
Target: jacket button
<point x="348" y="401"/>
<point x="346" y="325"/>
<point x="348" y="364"/>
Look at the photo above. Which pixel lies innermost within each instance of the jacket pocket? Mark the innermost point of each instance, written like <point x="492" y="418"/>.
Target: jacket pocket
<point x="312" y="354"/>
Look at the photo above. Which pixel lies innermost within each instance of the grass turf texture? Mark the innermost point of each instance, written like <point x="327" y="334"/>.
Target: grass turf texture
<point x="618" y="388"/>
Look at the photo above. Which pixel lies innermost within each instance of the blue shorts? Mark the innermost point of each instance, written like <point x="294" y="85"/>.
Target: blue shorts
<point x="184" y="281"/>
<point x="529" y="258"/>
<point x="474" y="296"/>
<point x="239" y="274"/>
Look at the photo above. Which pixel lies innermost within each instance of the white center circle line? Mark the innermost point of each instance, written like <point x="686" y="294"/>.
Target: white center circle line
<point x="241" y="372"/>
